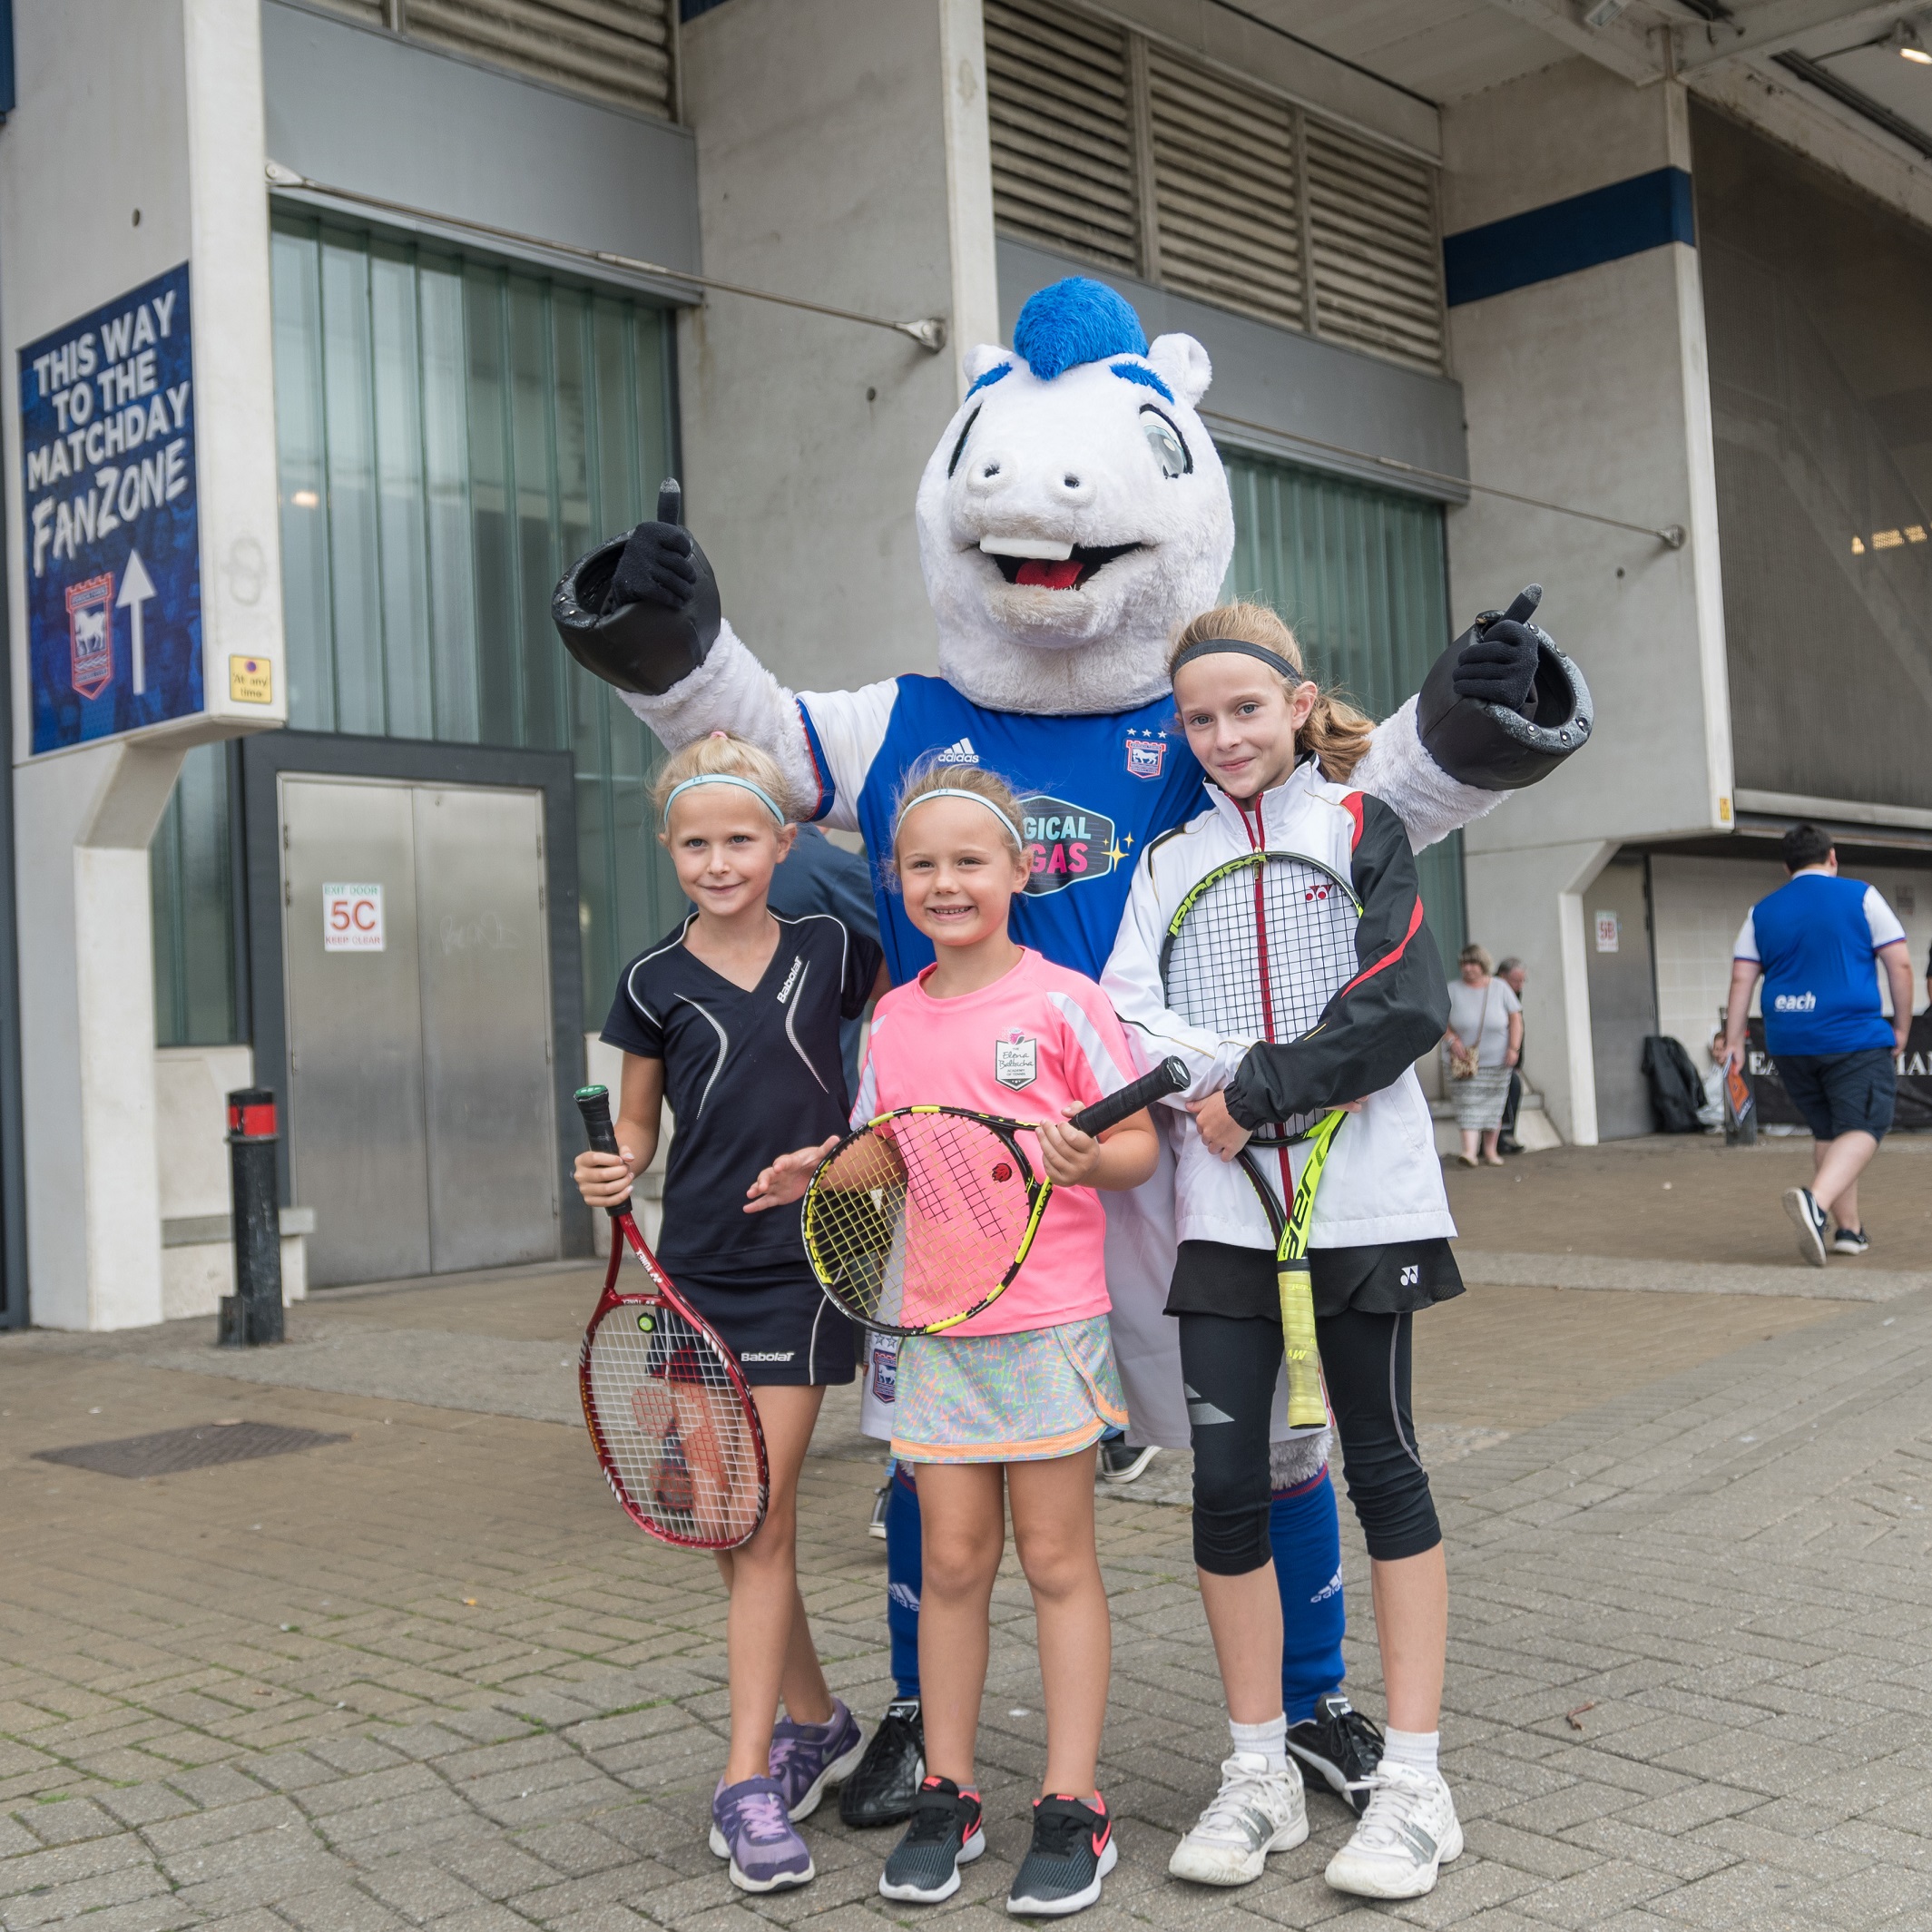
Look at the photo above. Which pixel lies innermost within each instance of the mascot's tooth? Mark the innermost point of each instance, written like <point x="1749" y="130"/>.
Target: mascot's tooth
<point x="1042" y="547"/>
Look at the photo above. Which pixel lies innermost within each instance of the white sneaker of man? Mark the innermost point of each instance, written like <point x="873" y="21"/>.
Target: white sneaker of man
<point x="1256" y="1811"/>
<point x="1407" y="1833"/>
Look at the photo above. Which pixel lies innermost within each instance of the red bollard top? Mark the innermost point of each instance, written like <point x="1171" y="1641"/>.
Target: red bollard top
<point x="252" y="1115"/>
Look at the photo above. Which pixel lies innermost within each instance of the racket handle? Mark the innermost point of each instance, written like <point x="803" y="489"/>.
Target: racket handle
<point x="595" y="1104"/>
<point x="1167" y="1078"/>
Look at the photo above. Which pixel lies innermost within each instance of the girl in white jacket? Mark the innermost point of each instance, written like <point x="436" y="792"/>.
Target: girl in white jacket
<point x="1278" y="753"/>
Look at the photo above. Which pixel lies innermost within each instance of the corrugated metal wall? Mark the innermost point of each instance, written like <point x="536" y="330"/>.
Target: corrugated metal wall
<point x="1362" y="576"/>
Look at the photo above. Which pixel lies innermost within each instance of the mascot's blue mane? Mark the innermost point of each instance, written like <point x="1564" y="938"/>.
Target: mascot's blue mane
<point x="1074" y="321"/>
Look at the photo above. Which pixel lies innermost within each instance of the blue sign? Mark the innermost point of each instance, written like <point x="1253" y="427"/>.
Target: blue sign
<point x="113" y="538"/>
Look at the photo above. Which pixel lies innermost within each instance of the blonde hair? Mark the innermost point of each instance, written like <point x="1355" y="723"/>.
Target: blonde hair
<point x="1478" y="956"/>
<point x="721" y="755"/>
<point x="1336" y="732"/>
<point x="929" y="776"/>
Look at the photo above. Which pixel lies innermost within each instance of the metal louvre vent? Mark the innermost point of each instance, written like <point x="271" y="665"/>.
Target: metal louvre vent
<point x="1376" y="262"/>
<point x="1225" y="198"/>
<point x="615" y="50"/>
<point x="1059" y="101"/>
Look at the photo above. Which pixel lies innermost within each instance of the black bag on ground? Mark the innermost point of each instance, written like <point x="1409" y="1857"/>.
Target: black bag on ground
<point x="1676" y="1092"/>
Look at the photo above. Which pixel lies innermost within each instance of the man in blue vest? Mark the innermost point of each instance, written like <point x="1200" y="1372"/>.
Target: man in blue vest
<point x="1814" y="941"/>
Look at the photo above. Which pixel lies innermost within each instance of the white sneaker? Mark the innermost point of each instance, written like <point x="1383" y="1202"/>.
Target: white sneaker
<point x="1255" y="1811"/>
<point x="1408" y="1830"/>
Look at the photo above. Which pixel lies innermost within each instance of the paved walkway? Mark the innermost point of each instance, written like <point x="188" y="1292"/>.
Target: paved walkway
<point x="427" y="1676"/>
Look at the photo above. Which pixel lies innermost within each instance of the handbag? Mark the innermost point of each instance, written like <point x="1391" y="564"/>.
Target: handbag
<point x="1463" y="1065"/>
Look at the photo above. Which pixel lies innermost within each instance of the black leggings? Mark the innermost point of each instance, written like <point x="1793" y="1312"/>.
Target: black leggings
<point x="1230" y="1365"/>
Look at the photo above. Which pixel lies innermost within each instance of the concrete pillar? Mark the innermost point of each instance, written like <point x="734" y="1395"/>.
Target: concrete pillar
<point x="137" y="146"/>
<point x="842" y="157"/>
<point x="1588" y="387"/>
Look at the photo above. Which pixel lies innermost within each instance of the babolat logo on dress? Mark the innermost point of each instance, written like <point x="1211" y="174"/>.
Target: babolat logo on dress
<point x="1068" y="843"/>
<point x="1795" y="1002"/>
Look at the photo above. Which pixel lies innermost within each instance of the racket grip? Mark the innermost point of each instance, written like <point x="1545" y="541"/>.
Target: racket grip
<point x="1167" y="1078"/>
<point x="595" y="1104"/>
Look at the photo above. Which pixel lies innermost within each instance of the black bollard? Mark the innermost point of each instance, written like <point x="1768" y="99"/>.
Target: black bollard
<point x="252" y="1314"/>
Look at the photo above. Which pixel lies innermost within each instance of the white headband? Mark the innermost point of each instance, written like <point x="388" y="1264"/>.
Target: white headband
<point x="724" y="778"/>
<point x="959" y="791"/>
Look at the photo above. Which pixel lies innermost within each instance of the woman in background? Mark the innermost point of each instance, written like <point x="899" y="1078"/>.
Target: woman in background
<point x="1483" y="1044"/>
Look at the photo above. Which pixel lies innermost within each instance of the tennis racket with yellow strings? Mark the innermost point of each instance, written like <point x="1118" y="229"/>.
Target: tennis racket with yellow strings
<point x="924" y="1216"/>
<point x="1257" y="951"/>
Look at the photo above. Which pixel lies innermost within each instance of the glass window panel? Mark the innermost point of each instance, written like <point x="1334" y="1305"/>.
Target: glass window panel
<point x="354" y="548"/>
<point x="1361" y="575"/>
<point x="535" y="464"/>
<point x="396" y="351"/>
<point x="307" y="623"/>
<point x="190" y="880"/>
<point x="452" y="564"/>
<point x="499" y="710"/>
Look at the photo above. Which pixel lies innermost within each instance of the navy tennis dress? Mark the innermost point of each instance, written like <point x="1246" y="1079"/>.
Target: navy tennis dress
<point x="749" y="1076"/>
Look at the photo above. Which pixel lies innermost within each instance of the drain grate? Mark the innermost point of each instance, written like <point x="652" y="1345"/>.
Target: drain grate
<point x="172" y="1450"/>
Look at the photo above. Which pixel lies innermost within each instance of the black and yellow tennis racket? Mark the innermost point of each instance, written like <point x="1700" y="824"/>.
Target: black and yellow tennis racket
<point x="921" y="1218"/>
<point x="1258" y="952"/>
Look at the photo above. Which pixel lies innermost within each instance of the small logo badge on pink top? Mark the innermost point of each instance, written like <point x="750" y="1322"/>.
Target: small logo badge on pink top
<point x="1016" y="1061"/>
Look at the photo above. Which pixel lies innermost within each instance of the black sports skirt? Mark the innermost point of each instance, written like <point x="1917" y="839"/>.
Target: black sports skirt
<point x="777" y="1321"/>
<point x="1215" y="1278"/>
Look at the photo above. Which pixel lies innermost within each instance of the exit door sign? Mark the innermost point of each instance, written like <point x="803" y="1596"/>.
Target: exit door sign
<point x="352" y="918"/>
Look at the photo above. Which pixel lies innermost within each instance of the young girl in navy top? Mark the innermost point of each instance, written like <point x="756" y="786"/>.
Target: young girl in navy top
<point x="734" y="1021"/>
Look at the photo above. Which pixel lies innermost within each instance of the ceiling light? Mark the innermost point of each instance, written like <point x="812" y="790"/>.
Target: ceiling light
<point x="1910" y="45"/>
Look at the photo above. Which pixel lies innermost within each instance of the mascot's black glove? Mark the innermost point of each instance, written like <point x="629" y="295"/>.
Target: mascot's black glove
<point x="656" y="567"/>
<point x="1497" y="665"/>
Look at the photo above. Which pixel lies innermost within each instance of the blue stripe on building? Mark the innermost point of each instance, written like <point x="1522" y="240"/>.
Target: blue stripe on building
<point x="1627" y="217"/>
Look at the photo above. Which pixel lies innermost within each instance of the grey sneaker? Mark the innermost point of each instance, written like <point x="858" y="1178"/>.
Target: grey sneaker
<point x="1809" y="1218"/>
<point x="749" y="1828"/>
<point x="806" y="1758"/>
<point x="1072" y="1850"/>
<point x="944" y="1833"/>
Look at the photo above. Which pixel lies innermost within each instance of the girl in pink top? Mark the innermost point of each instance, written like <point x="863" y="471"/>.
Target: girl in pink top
<point x="1009" y="1405"/>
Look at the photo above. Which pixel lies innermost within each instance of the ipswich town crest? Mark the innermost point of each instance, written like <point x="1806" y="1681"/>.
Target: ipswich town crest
<point x="90" y="630"/>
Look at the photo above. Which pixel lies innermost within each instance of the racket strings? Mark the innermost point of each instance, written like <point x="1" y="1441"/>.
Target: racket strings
<point x="677" y="1444"/>
<point x="915" y="1220"/>
<point x="1262" y="952"/>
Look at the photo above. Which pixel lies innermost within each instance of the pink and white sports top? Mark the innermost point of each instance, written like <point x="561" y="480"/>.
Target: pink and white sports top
<point x="1038" y="1040"/>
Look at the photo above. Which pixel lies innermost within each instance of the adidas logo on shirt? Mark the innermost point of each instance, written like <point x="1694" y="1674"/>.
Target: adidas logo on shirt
<point x="958" y="754"/>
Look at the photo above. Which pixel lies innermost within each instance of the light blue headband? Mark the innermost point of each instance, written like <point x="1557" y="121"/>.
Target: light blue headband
<point x="959" y="791"/>
<point x="724" y="778"/>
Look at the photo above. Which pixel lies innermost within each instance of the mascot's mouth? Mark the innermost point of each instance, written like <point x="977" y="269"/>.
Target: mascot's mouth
<point x="1071" y="567"/>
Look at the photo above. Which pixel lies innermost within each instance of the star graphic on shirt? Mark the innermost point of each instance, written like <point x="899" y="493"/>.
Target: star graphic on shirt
<point x="1116" y="854"/>
<point x="1128" y="839"/>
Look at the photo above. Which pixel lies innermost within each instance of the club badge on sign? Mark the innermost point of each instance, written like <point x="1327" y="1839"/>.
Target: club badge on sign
<point x="1015" y="1061"/>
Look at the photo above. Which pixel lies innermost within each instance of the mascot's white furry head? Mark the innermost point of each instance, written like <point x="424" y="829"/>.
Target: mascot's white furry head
<point x="1075" y="514"/>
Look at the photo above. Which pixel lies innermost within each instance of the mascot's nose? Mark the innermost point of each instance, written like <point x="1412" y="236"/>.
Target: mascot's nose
<point x="993" y="472"/>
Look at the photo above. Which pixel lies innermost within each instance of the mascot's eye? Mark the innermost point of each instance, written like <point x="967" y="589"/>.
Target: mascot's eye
<point x="1169" y="451"/>
<point x="959" y="448"/>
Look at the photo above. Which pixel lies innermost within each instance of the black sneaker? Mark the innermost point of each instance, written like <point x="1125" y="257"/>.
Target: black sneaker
<point x="945" y="1834"/>
<point x="1850" y="1240"/>
<point x="1809" y="1218"/>
<point x="1072" y="1850"/>
<point x="1341" y="1747"/>
<point x="1120" y="1462"/>
<point x="882" y="1790"/>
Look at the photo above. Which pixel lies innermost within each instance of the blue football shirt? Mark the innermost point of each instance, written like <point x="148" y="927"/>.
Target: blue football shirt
<point x="1816" y="938"/>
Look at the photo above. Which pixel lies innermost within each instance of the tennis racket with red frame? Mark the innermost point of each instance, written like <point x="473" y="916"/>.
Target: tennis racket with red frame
<point x="669" y="1414"/>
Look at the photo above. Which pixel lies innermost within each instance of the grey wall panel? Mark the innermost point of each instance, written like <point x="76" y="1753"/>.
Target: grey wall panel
<point x="1292" y="386"/>
<point x="367" y="111"/>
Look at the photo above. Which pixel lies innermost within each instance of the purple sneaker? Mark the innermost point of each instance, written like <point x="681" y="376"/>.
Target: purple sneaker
<point x="806" y="1758"/>
<point x="749" y="1826"/>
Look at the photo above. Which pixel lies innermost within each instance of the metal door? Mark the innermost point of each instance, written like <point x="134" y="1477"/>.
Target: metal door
<point x="1623" y="995"/>
<point x="356" y="1141"/>
<point x="421" y="1122"/>
<point x="487" y="1054"/>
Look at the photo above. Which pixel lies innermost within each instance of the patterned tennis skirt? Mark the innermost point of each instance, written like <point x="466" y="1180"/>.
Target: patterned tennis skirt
<point x="1006" y="1398"/>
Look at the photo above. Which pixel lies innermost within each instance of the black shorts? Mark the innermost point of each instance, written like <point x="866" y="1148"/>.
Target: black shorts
<point x="1842" y="1092"/>
<point x="1215" y="1278"/>
<point x="777" y="1321"/>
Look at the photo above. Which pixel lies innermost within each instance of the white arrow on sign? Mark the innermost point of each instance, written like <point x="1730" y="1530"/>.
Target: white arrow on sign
<point x="136" y="588"/>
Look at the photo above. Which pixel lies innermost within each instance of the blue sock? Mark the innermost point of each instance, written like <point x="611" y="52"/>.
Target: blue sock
<point x="904" y="1573"/>
<point x="1306" y="1540"/>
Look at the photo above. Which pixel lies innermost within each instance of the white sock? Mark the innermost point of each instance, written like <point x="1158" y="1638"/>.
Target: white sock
<point x="1269" y="1741"/>
<point x="1416" y="1748"/>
